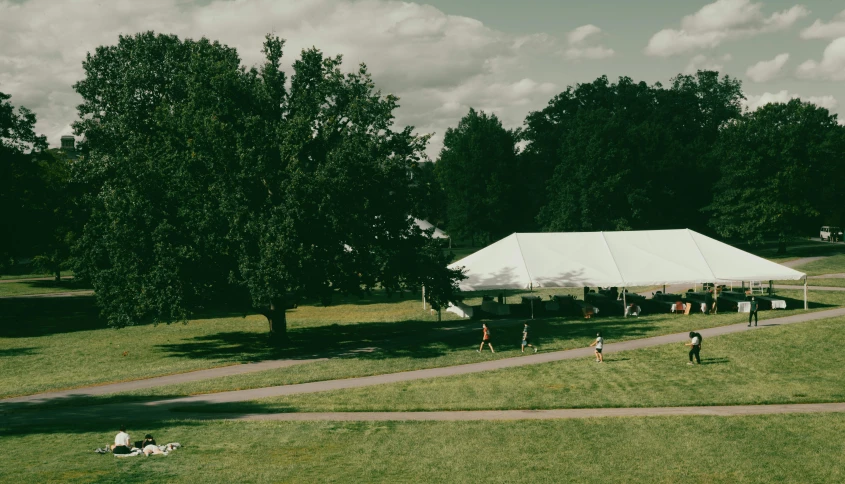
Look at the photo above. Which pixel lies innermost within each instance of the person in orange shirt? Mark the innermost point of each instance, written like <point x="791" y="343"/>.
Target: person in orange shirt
<point x="486" y="339"/>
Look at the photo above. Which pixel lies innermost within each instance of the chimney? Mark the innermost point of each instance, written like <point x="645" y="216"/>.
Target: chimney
<point x="68" y="142"/>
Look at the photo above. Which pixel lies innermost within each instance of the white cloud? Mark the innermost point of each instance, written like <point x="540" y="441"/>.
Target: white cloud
<point x="767" y="70"/>
<point x="719" y="21"/>
<point x="703" y="62"/>
<point x="581" y="33"/>
<point x="831" y="67"/>
<point x="752" y="102"/>
<point x="821" y="30"/>
<point x="579" y="44"/>
<point x="412" y="50"/>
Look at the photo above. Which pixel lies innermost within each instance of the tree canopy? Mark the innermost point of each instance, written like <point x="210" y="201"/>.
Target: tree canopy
<point x="477" y="170"/>
<point x="782" y="167"/>
<point x="33" y="192"/>
<point x="209" y="182"/>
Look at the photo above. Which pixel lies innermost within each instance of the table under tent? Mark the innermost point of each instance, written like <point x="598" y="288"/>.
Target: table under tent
<point x="618" y="261"/>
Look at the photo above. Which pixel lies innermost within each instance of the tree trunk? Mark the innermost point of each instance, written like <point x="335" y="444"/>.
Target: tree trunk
<point x="781" y="247"/>
<point x="277" y="320"/>
<point x="58" y="273"/>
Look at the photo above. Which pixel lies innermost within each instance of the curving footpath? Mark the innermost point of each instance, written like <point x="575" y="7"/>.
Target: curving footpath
<point x="720" y="411"/>
<point x="163" y="409"/>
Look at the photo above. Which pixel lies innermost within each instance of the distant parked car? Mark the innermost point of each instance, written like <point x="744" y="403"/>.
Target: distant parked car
<point x="830" y="233"/>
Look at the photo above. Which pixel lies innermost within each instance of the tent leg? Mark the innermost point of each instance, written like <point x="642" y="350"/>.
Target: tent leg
<point x="805" y="293"/>
<point x="624" y="303"/>
<point x="532" y="309"/>
<point x="423" y="297"/>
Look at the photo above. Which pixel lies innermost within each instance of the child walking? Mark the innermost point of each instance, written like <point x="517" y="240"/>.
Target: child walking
<point x="598" y="343"/>
<point x="525" y="340"/>
<point x="486" y="339"/>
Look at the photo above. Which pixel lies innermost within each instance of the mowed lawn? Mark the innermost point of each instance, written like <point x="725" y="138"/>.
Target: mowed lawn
<point x="375" y="336"/>
<point x="798" y="363"/>
<point x="28" y="288"/>
<point x="748" y="449"/>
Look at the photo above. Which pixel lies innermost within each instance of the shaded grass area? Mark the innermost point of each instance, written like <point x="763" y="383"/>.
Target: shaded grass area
<point x="26" y="288"/>
<point x="794" y="250"/>
<point x="748" y="449"/>
<point x="374" y="337"/>
<point x="835" y="264"/>
<point x="788" y="364"/>
<point x="31" y="275"/>
<point x="62" y="343"/>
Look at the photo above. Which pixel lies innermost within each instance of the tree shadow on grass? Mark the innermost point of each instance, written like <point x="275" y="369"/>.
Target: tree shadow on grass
<point x="402" y="339"/>
<point x="27" y="317"/>
<point x="12" y="352"/>
<point x="715" y="361"/>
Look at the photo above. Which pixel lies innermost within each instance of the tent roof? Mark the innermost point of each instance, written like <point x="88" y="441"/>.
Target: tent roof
<point x="621" y="259"/>
<point x="425" y="225"/>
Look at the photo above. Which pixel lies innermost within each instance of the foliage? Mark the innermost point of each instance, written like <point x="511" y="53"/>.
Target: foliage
<point x="34" y="194"/>
<point x="476" y="170"/>
<point x="210" y="182"/>
<point x="627" y="155"/>
<point x="781" y="169"/>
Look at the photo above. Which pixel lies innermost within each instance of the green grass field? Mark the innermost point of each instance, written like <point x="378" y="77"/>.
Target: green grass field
<point x="64" y="348"/>
<point x="788" y="364"/>
<point x="28" y="288"/>
<point x="835" y="264"/>
<point x="749" y="449"/>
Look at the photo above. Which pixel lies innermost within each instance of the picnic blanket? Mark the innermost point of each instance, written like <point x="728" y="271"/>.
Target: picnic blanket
<point x="167" y="448"/>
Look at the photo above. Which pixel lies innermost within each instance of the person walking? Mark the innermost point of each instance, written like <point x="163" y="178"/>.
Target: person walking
<point x="753" y="312"/>
<point x="525" y="340"/>
<point x="695" y="347"/>
<point x="598" y="343"/>
<point x="486" y="339"/>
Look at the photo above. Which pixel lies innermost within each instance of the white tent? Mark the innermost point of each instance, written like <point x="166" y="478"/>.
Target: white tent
<point x="426" y="225"/>
<point x="620" y="259"/>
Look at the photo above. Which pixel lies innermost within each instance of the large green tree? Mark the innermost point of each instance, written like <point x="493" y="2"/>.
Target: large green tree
<point x="626" y="155"/>
<point x="212" y="183"/>
<point x="477" y="170"/>
<point x="26" y="191"/>
<point x="782" y="169"/>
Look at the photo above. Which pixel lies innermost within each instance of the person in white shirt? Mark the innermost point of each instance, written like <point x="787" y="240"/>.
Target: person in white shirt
<point x="598" y="343"/>
<point x="695" y="347"/>
<point x="122" y="444"/>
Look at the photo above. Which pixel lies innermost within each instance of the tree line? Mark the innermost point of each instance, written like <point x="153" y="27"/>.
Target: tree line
<point x="633" y="156"/>
<point x="199" y="183"/>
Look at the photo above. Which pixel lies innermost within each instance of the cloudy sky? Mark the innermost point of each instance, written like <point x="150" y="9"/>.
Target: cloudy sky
<point x="443" y="56"/>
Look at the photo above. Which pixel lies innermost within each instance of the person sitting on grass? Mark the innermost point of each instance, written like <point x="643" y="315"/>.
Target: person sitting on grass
<point x="485" y="339"/>
<point x="525" y="340"/>
<point x="122" y="443"/>
<point x="632" y="310"/>
<point x="598" y="343"/>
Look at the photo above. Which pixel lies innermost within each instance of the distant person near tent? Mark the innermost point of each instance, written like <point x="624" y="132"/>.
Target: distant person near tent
<point x="695" y="347"/>
<point x="753" y="312"/>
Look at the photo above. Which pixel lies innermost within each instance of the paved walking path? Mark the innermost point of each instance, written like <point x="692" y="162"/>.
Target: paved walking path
<point x="86" y="292"/>
<point x="30" y="279"/>
<point x="801" y="261"/>
<point x="809" y="288"/>
<point x="721" y="411"/>
<point x="162" y="409"/>
<point x="157" y="381"/>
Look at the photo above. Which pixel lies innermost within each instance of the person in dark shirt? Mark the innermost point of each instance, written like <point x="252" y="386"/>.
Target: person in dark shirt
<point x="753" y="312"/>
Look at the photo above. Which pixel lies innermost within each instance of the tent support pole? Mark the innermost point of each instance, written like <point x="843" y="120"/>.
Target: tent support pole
<point x="805" y="293"/>
<point x="624" y="303"/>
<point x="423" y="297"/>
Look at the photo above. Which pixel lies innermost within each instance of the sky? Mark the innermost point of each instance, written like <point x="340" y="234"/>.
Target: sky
<point x="442" y="57"/>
